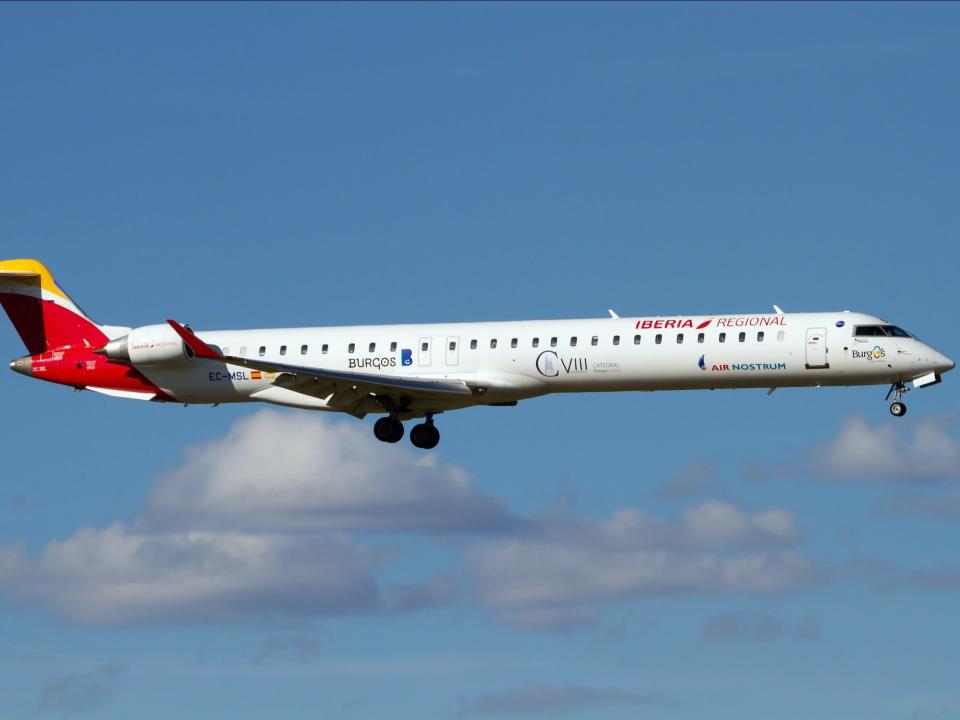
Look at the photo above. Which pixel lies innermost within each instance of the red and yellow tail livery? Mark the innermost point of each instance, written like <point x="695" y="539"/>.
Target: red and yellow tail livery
<point x="43" y="314"/>
<point x="60" y="338"/>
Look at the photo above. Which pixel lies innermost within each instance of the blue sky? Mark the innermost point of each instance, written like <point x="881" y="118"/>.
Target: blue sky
<point x="667" y="555"/>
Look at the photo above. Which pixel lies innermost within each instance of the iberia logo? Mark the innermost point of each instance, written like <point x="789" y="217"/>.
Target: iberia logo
<point x="701" y="363"/>
<point x="668" y="324"/>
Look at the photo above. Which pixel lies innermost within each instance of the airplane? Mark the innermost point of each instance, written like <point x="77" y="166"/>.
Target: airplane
<point x="418" y="371"/>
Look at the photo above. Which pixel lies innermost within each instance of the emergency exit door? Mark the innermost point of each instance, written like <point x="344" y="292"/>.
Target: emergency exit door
<point x="424" y="354"/>
<point x="453" y="350"/>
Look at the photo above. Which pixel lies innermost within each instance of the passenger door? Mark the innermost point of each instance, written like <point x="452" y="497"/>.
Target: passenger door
<point x="817" y="348"/>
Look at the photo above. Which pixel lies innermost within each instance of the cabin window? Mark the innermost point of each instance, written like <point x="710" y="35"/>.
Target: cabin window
<point x="393" y="346"/>
<point x="453" y="344"/>
<point x="594" y="341"/>
<point x="226" y="350"/>
<point x="743" y="337"/>
<point x="573" y="342"/>
<point x="700" y="337"/>
<point x="283" y="349"/>
<point x="351" y="347"/>
<point x="303" y="349"/>
<point x="780" y="335"/>
<point x="473" y="344"/>
<point x="679" y="338"/>
<point x="243" y="351"/>
<point x="372" y="348"/>
<point x="658" y="339"/>
<point x="616" y="339"/>
<point x="760" y="336"/>
<point x="536" y="342"/>
<point x="636" y="339"/>
<point x="263" y="350"/>
<point x="553" y="342"/>
<point x="424" y="347"/>
<point x="513" y="343"/>
<point x="493" y="344"/>
<point x="324" y="348"/>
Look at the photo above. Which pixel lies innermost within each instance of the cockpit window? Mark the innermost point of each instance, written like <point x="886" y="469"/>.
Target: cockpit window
<point x="881" y="331"/>
<point x="896" y="332"/>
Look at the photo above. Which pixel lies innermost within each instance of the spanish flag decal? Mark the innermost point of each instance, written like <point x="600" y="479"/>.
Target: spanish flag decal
<point x="255" y="374"/>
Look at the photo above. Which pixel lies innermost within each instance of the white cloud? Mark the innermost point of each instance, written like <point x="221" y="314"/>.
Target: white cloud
<point x="267" y="523"/>
<point x="117" y="575"/>
<point x="282" y="472"/>
<point x="710" y="524"/>
<point x="923" y="451"/>
<point x="251" y="527"/>
<point x="558" y="577"/>
<point x="719" y="523"/>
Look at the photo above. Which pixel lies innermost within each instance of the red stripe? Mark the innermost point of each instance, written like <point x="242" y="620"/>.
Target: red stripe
<point x="83" y="368"/>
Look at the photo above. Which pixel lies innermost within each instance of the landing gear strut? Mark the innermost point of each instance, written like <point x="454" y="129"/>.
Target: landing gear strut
<point x="897" y="408"/>
<point x="388" y="429"/>
<point x="425" y="435"/>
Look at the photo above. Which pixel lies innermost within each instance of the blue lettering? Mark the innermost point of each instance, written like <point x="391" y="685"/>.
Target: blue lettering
<point x="749" y="367"/>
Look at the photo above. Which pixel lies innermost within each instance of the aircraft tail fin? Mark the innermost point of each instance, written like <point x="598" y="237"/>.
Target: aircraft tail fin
<point x="42" y="313"/>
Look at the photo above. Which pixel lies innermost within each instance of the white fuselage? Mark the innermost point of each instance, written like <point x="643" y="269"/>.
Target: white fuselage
<point x="518" y="360"/>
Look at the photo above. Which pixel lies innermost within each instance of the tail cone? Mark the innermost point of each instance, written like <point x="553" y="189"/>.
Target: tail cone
<point x="23" y="365"/>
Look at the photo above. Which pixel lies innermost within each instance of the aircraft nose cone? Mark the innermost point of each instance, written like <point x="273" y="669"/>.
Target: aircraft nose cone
<point x="23" y="365"/>
<point x="948" y="364"/>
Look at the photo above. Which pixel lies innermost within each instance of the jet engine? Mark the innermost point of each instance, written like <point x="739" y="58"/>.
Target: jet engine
<point x="149" y="345"/>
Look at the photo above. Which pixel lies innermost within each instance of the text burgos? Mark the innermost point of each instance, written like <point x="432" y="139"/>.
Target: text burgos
<point x="374" y="362"/>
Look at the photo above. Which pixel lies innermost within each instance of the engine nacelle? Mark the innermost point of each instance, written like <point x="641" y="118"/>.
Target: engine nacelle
<point x="149" y="345"/>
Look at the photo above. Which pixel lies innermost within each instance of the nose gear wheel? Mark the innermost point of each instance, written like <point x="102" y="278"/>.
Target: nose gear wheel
<point x="897" y="408"/>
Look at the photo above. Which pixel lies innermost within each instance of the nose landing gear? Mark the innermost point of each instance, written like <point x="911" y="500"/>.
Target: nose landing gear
<point x="897" y="408"/>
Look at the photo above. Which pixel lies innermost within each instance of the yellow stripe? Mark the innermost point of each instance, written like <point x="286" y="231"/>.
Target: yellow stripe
<point x="33" y="267"/>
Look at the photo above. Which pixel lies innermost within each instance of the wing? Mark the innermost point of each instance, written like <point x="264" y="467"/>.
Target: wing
<point x="346" y="391"/>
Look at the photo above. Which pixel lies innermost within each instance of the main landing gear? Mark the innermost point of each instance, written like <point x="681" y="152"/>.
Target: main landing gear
<point x="390" y="430"/>
<point x="897" y="408"/>
<point x="425" y="435"/>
